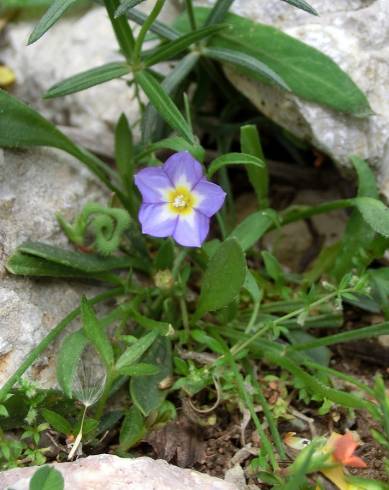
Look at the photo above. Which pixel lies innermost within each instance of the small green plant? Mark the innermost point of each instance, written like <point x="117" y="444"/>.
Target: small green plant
<point x="195" y="302"/>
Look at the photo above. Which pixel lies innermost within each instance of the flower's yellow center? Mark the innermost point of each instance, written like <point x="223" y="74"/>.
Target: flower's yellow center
<point x="181" y="200"/>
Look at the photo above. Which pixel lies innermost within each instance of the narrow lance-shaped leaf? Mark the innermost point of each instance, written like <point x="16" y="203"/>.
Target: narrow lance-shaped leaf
<point x="308" y="73"/>
<point x="159" y="28"/>
<point x="96" y="334"/>
<point x="135" y="351"/>
<point x="146" y="391"/>
<point x="252" y="228"/>
<point x="176" y="47"/>
<point x="133" y="428"/>
<point x="259" y="177"/>
<point x="218" y="12"/>
<point x="124" y="151"/>
<point x="126" y="6"/>
<point x="152" y="119"/>
<point x="234" y="159"/>
<point x="303" y="5"/>
<point x="223" y="278"/>
<point x="86" y="79"/>
<point x="69" y="359"/>
<point x="51" y="16"/>
<point x="22" y="127"/>
<point x="164" y="104"/>
<point x="238" y="58"/>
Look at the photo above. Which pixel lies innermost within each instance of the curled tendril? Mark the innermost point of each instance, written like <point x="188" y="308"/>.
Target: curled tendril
<point x="106" y="224"/>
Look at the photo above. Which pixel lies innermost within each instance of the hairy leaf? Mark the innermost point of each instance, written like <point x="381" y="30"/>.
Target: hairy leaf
<point x="86" y="79"/>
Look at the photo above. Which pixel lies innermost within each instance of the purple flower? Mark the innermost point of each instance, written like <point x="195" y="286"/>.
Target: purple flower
<point x="178" y="200"/>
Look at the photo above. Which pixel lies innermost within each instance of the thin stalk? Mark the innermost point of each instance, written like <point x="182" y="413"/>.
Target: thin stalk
<point x="79" y="435"/>
<point x="191" y="15"/>
<point x="266" y="445"/>
<point x="42" y="346"/>
<point x="269" y="417"/>
<point x="144" y="29"/>
<point x="184" y="315"/>
<point x="302" y="212"/>
<point x="238" y="348"/>
<point x="253" y="317"/>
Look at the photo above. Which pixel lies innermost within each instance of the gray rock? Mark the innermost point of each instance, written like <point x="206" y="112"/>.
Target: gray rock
<point x="354" y="34"/>
<point x="107" y="472"/>
<point x="33" y="186"/>
<point x="75" y="44"/>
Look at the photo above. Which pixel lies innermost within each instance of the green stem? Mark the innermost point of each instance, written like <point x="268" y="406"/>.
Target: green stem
<point x="191" y="15"/>
<point x="302" y="212"/>
<point x="265" y="443"/>
<point x="42" y="346"/>
<point x="238" y="348"/>
<point x="144" y="29"/>
<point x="269" y="417"/>
<point x="121" y="28"/>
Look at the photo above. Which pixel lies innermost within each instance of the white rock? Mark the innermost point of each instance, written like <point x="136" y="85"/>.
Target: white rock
<point x="34" y="185"/>
<point x="355" y="34"/>
<point x="107" y="472"/>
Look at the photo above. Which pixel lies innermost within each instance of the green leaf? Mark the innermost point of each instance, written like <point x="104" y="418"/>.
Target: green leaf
<point x="252" y="228"/>
<point x="96" y="333"/>
<point x="308" y="73"/>
<point x="203" y="338"/>
<point x="22" y="127"/>
<point x="218" y="12"/>
<point x="133" y="428"/>
<point x="165" y="257"/>
<point x="27" y="265"/>
<point x="259" y="177"/>
<point x="88" y="78"/>
<point x="47" y="478"/>
<point x="255" y="67"/>
<point x="68" y="360"/>
<point x="171" y="49"/>
<point x="223" y="278"/>
<point x="273" y="268"/>
<point x="303" y="5"/>
<point x="57" y="421"/>
<point x="125" y="6"/>
<point x="162" y="30"/>
<point x="139" y="369"/>
<point x="145" y="391"/>
<point x="164" y="104"/>
<point x="375" y="213"/>
<point x="358" y="235"/>
<point x="319" y="354"/>
<point x="152" y="121"/>
<point x="251" y="286"/>
<point x="234" y="159"/>
<point x="124" y="151"/>
<point x="76" y="260"/>
<point x="51" y="16"/>
<point x="135" y="351"/>
<point x="175" y="143"/>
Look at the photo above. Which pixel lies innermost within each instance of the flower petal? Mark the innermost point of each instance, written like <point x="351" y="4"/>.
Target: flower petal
<point x="183" y="169"/>
<point x="209" y="197"/>
<point x="157" y="220"/>
<point x="153" y="184"/>
<point x="191" y="229"/>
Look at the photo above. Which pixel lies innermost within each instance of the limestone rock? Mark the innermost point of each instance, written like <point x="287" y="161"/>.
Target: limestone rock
<point x="73" y="45"/>
<point x="355" y="34"/>
<point x="105" y="471"/>
<point x="34" y="185"/>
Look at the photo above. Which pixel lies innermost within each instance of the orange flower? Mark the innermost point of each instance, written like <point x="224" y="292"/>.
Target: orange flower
<point x="344" y="447"/>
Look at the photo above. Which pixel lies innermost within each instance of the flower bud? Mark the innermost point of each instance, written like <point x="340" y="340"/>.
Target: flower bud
<point x="164" y="279"/>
